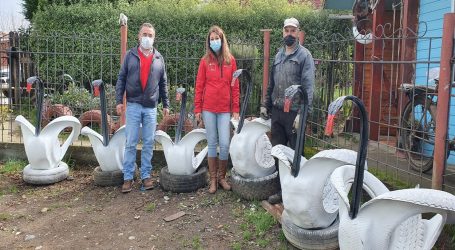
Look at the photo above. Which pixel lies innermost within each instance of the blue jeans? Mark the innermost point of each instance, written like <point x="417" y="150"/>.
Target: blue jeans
<point x="217" y="126"/>
<point x="135" y="115"/>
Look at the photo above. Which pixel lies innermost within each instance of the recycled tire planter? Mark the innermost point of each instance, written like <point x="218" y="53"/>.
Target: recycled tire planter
<point x="325" y="238"/>
<point x="45" y="176"/>
<point x="107" y="178"/>
<point x="183" y="183"/>
<point x="255" y="188"/>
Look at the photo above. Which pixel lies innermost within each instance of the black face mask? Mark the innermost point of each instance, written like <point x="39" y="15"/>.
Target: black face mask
<point x="289" y="40"/>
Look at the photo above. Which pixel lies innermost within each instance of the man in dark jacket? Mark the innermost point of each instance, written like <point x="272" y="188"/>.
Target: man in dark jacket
<point x="293" y="65"/>
<point x="143" y="78"/>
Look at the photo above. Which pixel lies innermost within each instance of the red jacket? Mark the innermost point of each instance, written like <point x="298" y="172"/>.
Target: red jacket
<point x="214" y="92"/>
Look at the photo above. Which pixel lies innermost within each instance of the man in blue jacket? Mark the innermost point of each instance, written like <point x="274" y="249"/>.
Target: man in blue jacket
<point x="293" y="65"/>
<point x="143" y="78"/>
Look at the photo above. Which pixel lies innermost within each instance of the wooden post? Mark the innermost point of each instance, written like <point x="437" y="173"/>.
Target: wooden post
<point x="123" y="45"/>
<point x="301" y="37"/>
<point x="358" y="79"/>
<point x="265" y="73"/>
<point x="442" y="115"/>
<point x="377" y="68"/>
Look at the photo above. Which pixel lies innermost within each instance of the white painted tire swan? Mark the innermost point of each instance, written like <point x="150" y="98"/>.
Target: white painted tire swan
<point x="43" y="148"/>
<point x="182" y="173"/>
<point x="391" y="219"/>
<point x="109" y="152"/>
<point x="253" y="176"/>
<point x="250" y="149"/>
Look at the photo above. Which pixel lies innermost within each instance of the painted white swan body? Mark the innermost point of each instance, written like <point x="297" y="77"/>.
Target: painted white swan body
<point x="180" y="156"/>
<point x="44" y="150"/>
<point x="305" y="196"/>
<point x="109" y="157"/>
<point x="250" y="149"/>
<point x="391" y="219"/>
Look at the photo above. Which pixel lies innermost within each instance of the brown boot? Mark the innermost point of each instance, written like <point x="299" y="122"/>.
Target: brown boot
<point x="148" y="183"/>
<point x="127" y="186"/>
<point x="222" y="175"/>
<point x="213" y="165"/>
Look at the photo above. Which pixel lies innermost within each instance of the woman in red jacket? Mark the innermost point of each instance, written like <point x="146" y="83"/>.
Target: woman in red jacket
<point x="217" y="96"/>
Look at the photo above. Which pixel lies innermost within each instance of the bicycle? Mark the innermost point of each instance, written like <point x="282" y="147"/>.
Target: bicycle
<point x="418" y="124"/>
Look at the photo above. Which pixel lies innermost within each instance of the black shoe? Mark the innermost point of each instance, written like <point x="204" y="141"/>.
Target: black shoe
<point x="275" y="199"/>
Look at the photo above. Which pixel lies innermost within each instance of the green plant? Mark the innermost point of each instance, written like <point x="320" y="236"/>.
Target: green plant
<point x="8" y="190"/>
<point x="196" y="242"/>
<point x="389" y="180"/>
<point x="12" y="166"/>
<point x="5" y="216"/>
<point x="236" y="246"/>
<point x="246" y="235"/>
<point x="150" y="207"/>
<point x="257" y="223"/>
<point x="5" y="111"/>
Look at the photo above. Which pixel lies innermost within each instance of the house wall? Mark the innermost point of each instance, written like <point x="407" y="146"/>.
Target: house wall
<point x="429" y="48"/>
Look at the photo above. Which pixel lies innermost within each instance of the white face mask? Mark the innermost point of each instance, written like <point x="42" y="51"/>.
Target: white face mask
<point x="146" y="42"/>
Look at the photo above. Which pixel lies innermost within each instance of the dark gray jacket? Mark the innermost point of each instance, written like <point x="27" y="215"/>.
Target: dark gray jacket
<point x="296" y="68"/>
<point x="129" y="80"/>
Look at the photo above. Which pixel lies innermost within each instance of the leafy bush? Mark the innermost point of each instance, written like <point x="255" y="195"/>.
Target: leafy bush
<point x="80" y="100"/>
<point x="83" y="39"/>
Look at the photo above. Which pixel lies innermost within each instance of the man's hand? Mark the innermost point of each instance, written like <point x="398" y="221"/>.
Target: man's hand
<point x="264" y="113"/>
<point x="296" y="124"/>
<point x="119" y="109"/>
<point x="165" y="111"/>
<point x="198" y="117"/>
<point x="235" y="116"/>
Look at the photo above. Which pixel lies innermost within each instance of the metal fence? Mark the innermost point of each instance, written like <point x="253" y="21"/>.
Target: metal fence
<point x="69" y="63"/>
<point x="375" y="73"/>
<point x="372" y="72"/>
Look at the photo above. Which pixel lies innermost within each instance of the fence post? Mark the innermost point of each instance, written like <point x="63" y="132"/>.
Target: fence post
<point x="13" y="57"/>
<point x="265" y="72"/>
<point x="301" y="37"/>
<point x="375" y="108"/>
<point x="442" y="115"/>
<point x="123" y="44"/>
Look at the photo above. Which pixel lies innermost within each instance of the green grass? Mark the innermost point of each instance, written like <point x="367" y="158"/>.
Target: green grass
<point x="12" y="189"/>
<point x="236" y="246"/>
<point x="196" y="242"/>
<point x="256" y="224"/>
<point x="260" y="220"/>
<point x="388" y="179"/>
<point x="247" y="235"/>
<point x="12" y="166"/>
<point x="5" y="217"/>
<point x="150" y="207"/>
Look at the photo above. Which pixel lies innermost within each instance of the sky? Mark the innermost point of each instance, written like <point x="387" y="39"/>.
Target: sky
<point x="11" y="17"/>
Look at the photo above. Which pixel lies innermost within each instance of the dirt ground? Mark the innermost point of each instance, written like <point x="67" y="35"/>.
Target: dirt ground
<point x="77" y="214"/>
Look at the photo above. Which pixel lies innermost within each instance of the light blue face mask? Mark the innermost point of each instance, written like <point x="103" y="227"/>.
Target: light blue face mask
<point x="215" y="45"/>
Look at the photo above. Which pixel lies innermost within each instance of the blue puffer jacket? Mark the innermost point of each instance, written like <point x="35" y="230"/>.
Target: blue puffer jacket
<point x="129" y="81"/>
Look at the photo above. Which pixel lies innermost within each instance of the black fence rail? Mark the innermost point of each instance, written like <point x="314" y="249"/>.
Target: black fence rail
<point x="375" y="72"/>
<point x="68" y="64"/>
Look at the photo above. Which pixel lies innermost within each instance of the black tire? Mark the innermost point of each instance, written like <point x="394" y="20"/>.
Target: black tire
<point x="183" y="183"/>
<point x="416" y="132"/>
<point x="325" y="238"/>
<point x="107" y="178"/>
<point x="256" y="188"/>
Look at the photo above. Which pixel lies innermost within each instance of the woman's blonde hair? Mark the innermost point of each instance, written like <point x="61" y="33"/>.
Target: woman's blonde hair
<point x="225" y="54"/>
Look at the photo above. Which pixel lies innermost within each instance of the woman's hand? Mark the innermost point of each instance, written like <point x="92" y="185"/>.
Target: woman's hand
<point x="235" y="116"/>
